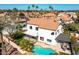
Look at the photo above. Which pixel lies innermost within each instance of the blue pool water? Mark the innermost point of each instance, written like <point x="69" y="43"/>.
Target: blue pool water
<point x="42" y="51"/>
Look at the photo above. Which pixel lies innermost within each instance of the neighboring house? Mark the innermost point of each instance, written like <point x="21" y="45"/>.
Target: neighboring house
<point x="73" y="14"/>
<point x="66" y="17"/>
<point x="44" y="29"/>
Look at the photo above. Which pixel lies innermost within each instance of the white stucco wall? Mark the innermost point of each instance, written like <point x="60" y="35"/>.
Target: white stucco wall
<point x="45" y="33"/>
<point x="32" y="31"/>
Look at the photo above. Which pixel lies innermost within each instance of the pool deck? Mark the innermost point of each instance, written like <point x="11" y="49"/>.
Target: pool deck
<point x="53" y="47"/>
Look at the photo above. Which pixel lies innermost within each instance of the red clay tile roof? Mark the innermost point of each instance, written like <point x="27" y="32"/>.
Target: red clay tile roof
<point x="65" y="17"/>
<point x="44" y="23"/>
<point x="49" y="15"/>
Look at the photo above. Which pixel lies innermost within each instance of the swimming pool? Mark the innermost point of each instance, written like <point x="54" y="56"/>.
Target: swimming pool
<point x="42" y="51"/>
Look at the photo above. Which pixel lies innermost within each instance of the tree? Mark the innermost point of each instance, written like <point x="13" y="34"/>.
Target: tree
<point x="15" y="10"/>
<point x="10" y="25"/>
<point x="26" y="45"/>
<point x="14" y="14"/>
<point x="72" y="40"/>
<point x="2" y="26"/>
<point x="17" y="35"/>
<point x="9" y="10"/>
<point x="51" y="8"/>
<point x="66" y="31"/>
<point x="21" y="15"/>
<point x="69" y="28"/>
<point x="1" y="11"/>
<point x="37" y="7"/>
<point x="33" y="6"/>
<point x="28" y="7"/>
<point x="7" y="25"/>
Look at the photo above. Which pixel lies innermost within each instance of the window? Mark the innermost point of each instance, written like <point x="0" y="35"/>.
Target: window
<point x="49" y="40"/>
<point x="37" y="28"/>
<point x="52" y="33"/>
<point x="58" y="31"/>
<point x="42" y="38"/>
<point x="30" y="27"/>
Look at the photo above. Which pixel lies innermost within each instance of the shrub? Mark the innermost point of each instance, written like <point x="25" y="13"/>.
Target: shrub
<point x="17" y="35"/>
<point x="17" y="41"/>
<point x="26" y="45"/>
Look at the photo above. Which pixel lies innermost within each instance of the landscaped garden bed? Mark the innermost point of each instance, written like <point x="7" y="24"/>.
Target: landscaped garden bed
<point x="25" y="44"/>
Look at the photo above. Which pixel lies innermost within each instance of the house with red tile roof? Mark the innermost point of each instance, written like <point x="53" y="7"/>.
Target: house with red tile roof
<point x="44" y="29"/>
<point x="66" y="17"/>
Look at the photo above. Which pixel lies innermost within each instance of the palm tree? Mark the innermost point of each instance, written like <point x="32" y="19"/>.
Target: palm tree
<point x="15" y="10"/>
<point x="28" y="7"/>
<point x="33" y="6"/>
<point x="26" y="45"/>
<point x="37" y="7"/>
<point x="51" y="8"/>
